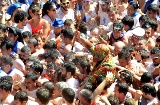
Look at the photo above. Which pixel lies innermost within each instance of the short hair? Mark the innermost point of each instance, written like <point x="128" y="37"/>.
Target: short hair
<point x="7" y="86"/>
<point x="153" y="7"/>
<point x="21" y="96"/>
<point x="68" y="22"/>
<point x="7" y="60"/>
<point x="43" y="95"/>
<point x="113" y="100"/>
<point x="88" y="86"/>
<point x="119" y="25"/>
<point x="26" y="34"/>
<point x="155" y="50"/>
<point x="84" y="63"/>
<point x="149" y="89"/>
<point x="25" y="49"/>
<point x="127" y="76"/>
<point x="35" y="9"/>
<point x="7" y="79"/>
<point x="37" y="66"/>
<point x="68" y="33"/>
<point x="146" y="25"/>
<point x="50" y="86"/>
<point x="154" y="24"/>
<point x="130" y="101"/>
<point x="51" y="65"/>
<point x="82" y="27"/>
<point x="68" y="94"/>
<point x="69" y="56"/>
<point x="158" y="94"/>
<point x="32" y="75"/>
<point x="158" y="39"/>
<point x="144" y="18"/>
<point x="70" y="67"/>
<point x="62" y="85"/>
<point x="122" y="87"/>
<point x="110" y="9"/>
<point x="128" y="20"/>
<point x="134" y="4"/>
<point x="51" y="44"/>
<point x="20" y="16"/>
<point x="123" y="54"/>
<point x="86" y="94"/>
<point x="51" y="54"/>
<point x="7" y="44"/>
<point x="33" y="41"/>
<point x="146" y="77"/>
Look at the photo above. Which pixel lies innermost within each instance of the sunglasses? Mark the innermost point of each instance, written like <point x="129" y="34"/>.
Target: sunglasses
<point x="65" y="3"/>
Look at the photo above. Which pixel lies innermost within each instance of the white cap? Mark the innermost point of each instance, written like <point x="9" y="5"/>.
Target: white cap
<point x="138" y="31"/>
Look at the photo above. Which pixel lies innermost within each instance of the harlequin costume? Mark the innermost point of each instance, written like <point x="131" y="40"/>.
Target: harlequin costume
<point x="102" y="61"/>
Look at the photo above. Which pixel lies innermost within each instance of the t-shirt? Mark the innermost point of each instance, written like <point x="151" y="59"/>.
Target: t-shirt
<point x="26" y="28"/>
<point x="32" y="93"/>
<point x="153" y="101"/>
<point x="2" y="73"/>
<point x="69" y="15"/>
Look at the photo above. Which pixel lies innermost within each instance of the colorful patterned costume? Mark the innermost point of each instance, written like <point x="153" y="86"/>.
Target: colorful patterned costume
<point x="102" y="61"/>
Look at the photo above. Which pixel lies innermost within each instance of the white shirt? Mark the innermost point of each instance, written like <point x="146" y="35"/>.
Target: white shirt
<point x="51" y="36"/>
<point x="29" y="102"/>
<point x="26" y="28"/>
<point x="32" y="93"/>
<point x="136" y="20"/>
<point x="69" y="15"/>
<point x="150" y="68"/>
<point x="2" y="73"/>
<point x="153" y="101"/>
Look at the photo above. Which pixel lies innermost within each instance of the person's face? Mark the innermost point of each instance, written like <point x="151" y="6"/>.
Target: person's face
<point x="86" y="3"/>
<point x="12" y="37"/>
<point x="30" y="13"/>
<point x="57" y="31"/>
<point x="3" y="66"/>
<point x="155" y="59"/>
<point x="117" y="33"/>
<point x="38" y="15"/>
<point x="65" y="4"/>
<point x="62" y="37"/>
<point x="24" y="55"/>
<point x="104" y="6"/>
<point x="145" y="95"/>
<point x="31" y="47"/>
<point x="151" y="14"/>
<point x="52" y="12"/>
<point x="40" y="43"/>
<point x="31" y="85"/>
<point x="50" y="72"/>
<point x="148" y="32"/>
<point x="123" y="62"/>
<point x="81" y="99"/>
<point x="116" y="92"/>
<point x="112" y="16"/>
<point x="18" y="102"/>
<point x="56" y="91"/>
<point x="3" y="94"/>
<point x="2" y="4"/>
<point x="4" y="50"/>
<point x="134" y="38"/>
<point x="25" y="21"/>
<point x="140" y="45"/>
<point x="130" y="10"/>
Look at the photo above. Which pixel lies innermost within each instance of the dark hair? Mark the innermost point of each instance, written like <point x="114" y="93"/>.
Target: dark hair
<point x="84" y="63"/>
<point x="20" y="16"/>
<point x="51" y="44"/>
<point x="134" y="4"/>
<point x="33" y="41"/>
<point x="7" y="79"/>
<point x="124" y="54"/>
<point x="88" y="85"/>
<point x="149" y="89"/>
<point x="38" y="67"/>
<point x="118" y="25"/>
<point x="50" y="86"/>
<point x="130" y="101"/>
<point x="70" y="67"/>
<point x="154" y="24"/>
<point x="69" y="56"/>
<point x="143" y="18"/>
<point x="113" y="100"/>
<point x="47" y="6"/>
<point x="43" y="95"/>
<point x="86" y="94"/>
<point x="35" y="9"/>
<point x="128" y="20"/>
<point x="25" y="49"/>
<point x="33" y="5"/>
<point x="52" y="65"/>
<point x="7" y="86"/>
<point x="158" y="94"/>
<point x="127" y="76"/>
<point x="155" y="50"/>
<point x="128" y="48"/>
<point x="82" y="27"/>
<point x="53" y="54"/>
<point x="32" y="75"/>
<point x="68" y="94"/>
<point x="153" y="7"/>
<point x="21" y="96"/>
<point x="146" y="25"/>
<point x="7" y="44"/>
<point x="68" y="33"/>
<point x="146" y="77"/>
<point x="122" y="87"/>
<point x="26" y="34"/>
<point x="7" y="60"/>
<point x="158" y="39"/>
<point x="110" y="9"/>
<point x="68" y="22"/>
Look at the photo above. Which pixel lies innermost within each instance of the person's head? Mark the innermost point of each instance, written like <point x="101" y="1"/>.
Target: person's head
<point x="158" y="94"/>
<point x="51" y="55"/>
<point x="37" y="67"/>
<point x="30" y="14"/>
<point x="7" y="78"/>
<point x="148" y="30"/>
<point x="59" y="86"/>
<point x="67" y="35"/>
<point x="20" y="98"/>
<point x="25" y="53"/>
<point x="105" y="4"/>
<point x="85" y="97"/>
<point x="155" y="55"/>
<point x="43" y="96"/>
<point x="82" y="27"/>
<point x="49" y="45"/>
<point x="65" y="5"/>
<point x="118" y="47"/>
<point x="117" y="29"/>
<point x="86" y="3"/>
<point x="113" y="100"/>
<point x="21" y="18"/>
<point x="141" y="44"/>
<point x="14" y="33"/>
<point x="31" y="80"/>
<point x="6" y="63"/>
<point x="147" y="78"/>
<point x="49" y="8"/>
<point x="50" y="70"/>
<point x="148" y="91"/>
<point x="84" y="66"/>
<point x="121" y="89"/>
<point x="132" y="8"/>
<point x="130" y="101"/>
<point x="68" y="95"/>
<point x="112" y="14"/>
<point x="69" y="56"/>
<point x="128" y="22"/>
<point x="33" y="44"/>
<point x="57" y="25"/>
<point x="37" y="12"/>
<point x="137" y="32"/>
<point x="3" y="4"/>
<point x="124" y="58"/>
<point x="5" y="89"/>
<point x="50" y="86"/>
<point x="7" y="47"/>
<point x="68" y="23"/>
<point x="26" y="35"/>
<point x="158" y="42"/>
<point x="154" y="25"/>
<point x="143" y="19"/>
<point x="152" y="11"/>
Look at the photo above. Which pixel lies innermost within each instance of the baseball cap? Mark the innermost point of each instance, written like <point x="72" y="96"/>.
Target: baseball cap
<point x="14" y="30"/>
<point x="57" y="23"/>
<point x="138" y="31"/>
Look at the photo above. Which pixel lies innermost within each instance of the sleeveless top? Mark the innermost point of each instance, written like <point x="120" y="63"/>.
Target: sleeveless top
<point x="35" y="29"/>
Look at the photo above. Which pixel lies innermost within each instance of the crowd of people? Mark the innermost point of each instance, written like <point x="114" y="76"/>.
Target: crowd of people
<point x="79" y="52"/>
